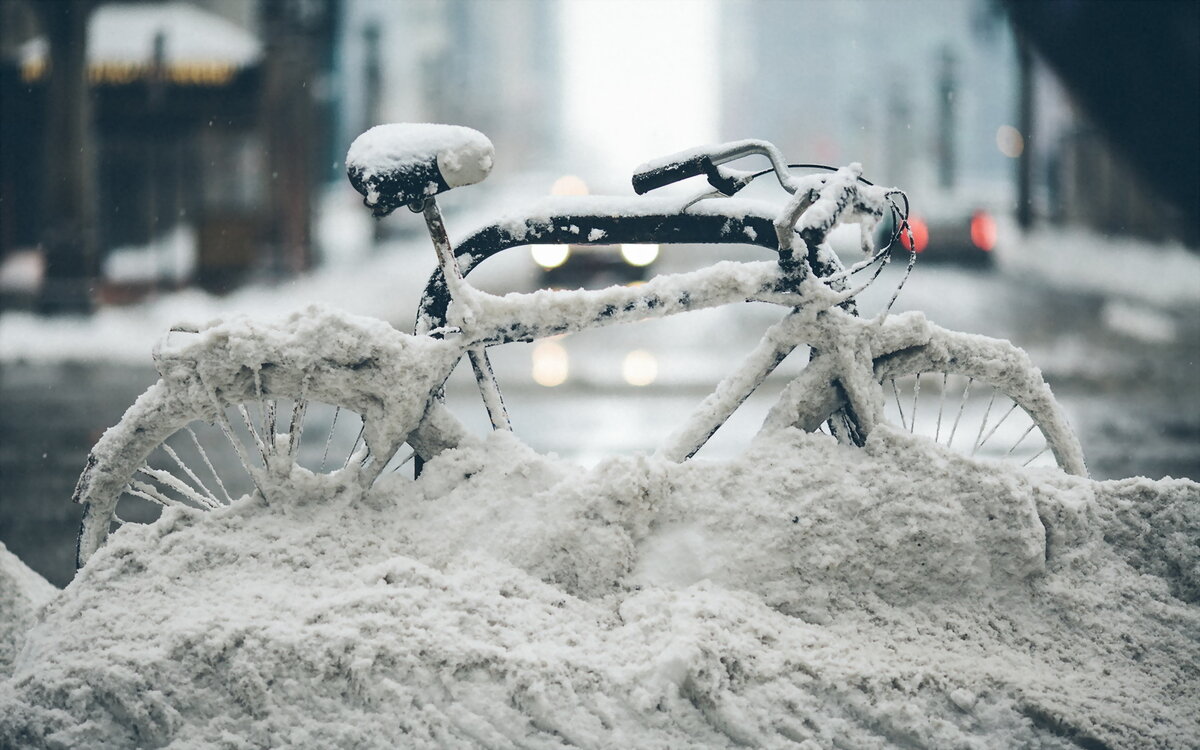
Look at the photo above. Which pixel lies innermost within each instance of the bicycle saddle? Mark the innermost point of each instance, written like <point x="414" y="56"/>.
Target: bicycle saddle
<point x="402" y="164"/>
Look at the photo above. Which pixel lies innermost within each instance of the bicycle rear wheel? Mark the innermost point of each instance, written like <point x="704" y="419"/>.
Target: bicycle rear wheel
<point x="978" y="396"/>
<point x="249" y="408"/>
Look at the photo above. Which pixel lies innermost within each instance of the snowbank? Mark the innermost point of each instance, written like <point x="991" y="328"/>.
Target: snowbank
<point x="1123" y="268"/>
<point x="804" y="595"/>
<point x="22" y="591"/>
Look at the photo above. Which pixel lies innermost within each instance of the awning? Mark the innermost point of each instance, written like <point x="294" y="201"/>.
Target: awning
<point x="198" y="48"/>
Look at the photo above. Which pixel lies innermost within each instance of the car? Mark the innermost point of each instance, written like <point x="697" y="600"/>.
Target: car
<point x="593" y="266"/>
<point x="966" y="238"/>
<point x="590" y="265"/>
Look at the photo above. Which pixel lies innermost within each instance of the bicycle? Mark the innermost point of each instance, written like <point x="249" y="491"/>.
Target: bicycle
<point x="239" y="376"/>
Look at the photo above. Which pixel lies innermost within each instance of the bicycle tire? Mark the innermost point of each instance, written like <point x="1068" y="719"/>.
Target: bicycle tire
<point x="242" y="388"/>
<point x="815" y="396"/>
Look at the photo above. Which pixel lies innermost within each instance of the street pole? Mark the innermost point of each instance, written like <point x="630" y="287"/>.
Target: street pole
<point x="68" y="234"/>
<point x="1025" y="125"/>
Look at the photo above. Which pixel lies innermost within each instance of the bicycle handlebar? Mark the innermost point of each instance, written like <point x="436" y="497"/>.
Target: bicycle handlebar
<point x="651" y="178"/>
<point x="705" y="160"/>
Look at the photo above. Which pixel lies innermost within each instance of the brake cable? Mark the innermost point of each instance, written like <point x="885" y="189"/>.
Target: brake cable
<point x="900" y="228"/>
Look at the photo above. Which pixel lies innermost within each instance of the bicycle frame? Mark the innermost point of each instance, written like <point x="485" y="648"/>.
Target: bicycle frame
<point x="607" y="220"/>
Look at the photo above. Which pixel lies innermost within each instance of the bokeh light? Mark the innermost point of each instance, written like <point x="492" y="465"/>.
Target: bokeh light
<point x="550" y="364"/>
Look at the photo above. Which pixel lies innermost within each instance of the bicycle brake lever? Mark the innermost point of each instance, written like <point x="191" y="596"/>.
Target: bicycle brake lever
<point x="726" y="181"/>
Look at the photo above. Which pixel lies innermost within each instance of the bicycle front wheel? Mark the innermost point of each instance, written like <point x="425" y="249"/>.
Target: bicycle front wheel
<point x="978" y="396"/>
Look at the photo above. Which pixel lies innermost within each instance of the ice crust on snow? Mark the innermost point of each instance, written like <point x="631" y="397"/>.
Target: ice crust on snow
<point x="805" y="594"/>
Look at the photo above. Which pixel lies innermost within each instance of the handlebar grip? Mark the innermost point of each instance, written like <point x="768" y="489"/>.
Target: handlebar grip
<point x="657" y="176"/>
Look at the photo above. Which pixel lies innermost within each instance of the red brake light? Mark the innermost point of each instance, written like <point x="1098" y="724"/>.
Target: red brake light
<point x="983" y="230"/>
<point x="920" y="234"/>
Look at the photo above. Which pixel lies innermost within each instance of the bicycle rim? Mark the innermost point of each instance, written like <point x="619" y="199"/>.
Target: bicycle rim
<point x="169" y="451"/>
<point x="979" y="397"/>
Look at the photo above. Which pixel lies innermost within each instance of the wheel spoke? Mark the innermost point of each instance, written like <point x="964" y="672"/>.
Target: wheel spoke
<point x="208" y="463"/>
<point x="210" y="498"/>
<point x="296" y="426"/>
<point x="1037" y="455"/>
<point x="997" y="425"/>
<point x="227" y="428"/>
<point x="899" y="408"/>
<point x="962" y="403"/>
<point x="262" y="448"/>
<point x="1022" y="438"/>
<point x="912" y="418"/>
<point x="151" y="493"/>
<point x="983" y="425"/>
<point x="171" y="481"/>
<point x="937" y="432"/>
<point x="266" y="410"/>
<point x="354" y="447"/>
<point x="272" y="407"/>
<point x="329" y="438"/>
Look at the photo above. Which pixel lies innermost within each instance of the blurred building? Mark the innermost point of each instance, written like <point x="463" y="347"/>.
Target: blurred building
<point x="207" y="134"/>
<point x="913" y="91"/>
<point x="1113" y="105"/>
<point x="493" y="66"/>
<point x="939" y="98"/>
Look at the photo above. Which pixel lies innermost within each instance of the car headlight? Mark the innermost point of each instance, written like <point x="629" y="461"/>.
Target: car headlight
<point x="639" y="255"/>
<point x="550" y="256"/>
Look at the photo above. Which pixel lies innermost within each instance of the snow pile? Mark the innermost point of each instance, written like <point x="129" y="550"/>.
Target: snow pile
<point x="1123" y="268"/>
<point x="22" y="591"/>
<point x="171" y="257"/>
<point x="806" y="593"/>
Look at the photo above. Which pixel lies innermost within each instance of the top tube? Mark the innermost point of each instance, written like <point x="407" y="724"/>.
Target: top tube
<point x="605" y="220"/>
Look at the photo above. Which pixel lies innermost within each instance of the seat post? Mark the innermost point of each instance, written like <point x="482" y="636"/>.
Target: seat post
<point x="458" y="287"/>
<point x="441" y="244"/>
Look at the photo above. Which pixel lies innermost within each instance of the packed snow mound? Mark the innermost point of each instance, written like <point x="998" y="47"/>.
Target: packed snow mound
<point x="22" y="591"/>
<point x="806" y="595"/>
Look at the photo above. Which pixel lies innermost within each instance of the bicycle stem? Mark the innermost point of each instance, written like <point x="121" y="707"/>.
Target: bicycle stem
<point x="460" y="291"/>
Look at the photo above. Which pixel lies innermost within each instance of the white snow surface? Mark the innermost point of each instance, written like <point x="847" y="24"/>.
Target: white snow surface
<point x="1125" y="268"/>
<point x="22" y="591"/>
<point x="464" y="156"/>
<point x="804" y="595"/>
<point x="171" y="257"/>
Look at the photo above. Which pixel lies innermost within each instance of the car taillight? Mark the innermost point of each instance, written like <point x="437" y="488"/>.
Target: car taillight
<point x="983" y="231"/>
<point x="920" y="234"/>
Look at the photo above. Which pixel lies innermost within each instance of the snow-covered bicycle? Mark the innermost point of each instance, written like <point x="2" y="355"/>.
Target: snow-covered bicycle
<point x="252" y="390"/>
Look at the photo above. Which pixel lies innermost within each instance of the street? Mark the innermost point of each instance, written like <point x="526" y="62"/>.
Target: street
<point x="1124" y="372"/>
